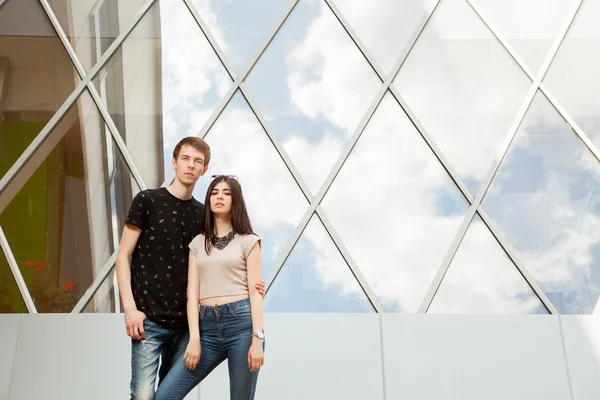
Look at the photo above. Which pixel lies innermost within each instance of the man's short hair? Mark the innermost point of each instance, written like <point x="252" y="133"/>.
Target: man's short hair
<point x="195" y="142"/>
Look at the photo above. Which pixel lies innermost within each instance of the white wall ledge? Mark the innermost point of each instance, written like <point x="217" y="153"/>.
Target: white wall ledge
<point x="327" y="356"/>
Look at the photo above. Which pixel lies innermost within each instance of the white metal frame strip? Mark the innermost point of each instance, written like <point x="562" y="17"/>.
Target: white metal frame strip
<point x="98" y="281"/>
<point x="14" y="268"/>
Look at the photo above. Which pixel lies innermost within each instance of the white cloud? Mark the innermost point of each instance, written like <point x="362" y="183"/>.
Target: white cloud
<point x="314" y="160"/>
<point x="328" y="78"/>
<point x="191" y="71"/>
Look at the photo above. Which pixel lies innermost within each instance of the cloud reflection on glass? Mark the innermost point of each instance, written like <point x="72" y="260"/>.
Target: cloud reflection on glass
<point x="545" y="202"/>
<point x="464" y="88"/>
<point x="482" y="280"/>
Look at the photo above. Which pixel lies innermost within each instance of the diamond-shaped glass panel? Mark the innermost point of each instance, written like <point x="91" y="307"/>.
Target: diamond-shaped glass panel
<point x="11" y="300"/>
<point x="386" y="27"/>
<point x="36" y="76"/>
<point x="574" y="75"/>
<point x="545" y="201"/>
<point x="463" y="87"/>
<point x="313" y="86"/>
<point x="315" y="278"/>
<point x="92" y="26"/>
<point x="529" y="26"/>
<point x="241" y="27"/>
<point x="274" y="200"/>
<point x="61" y="224"/>
<point x="482" y="279"/>
<point x="395" y="209"/>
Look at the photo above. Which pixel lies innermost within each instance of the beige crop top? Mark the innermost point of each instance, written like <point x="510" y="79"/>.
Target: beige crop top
<point x="223" y="272"/>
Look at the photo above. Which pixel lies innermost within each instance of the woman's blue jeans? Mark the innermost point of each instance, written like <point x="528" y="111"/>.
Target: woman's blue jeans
<point x="225" y="333"/>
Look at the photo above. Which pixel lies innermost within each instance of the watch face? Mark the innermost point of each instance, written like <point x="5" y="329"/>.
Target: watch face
<point x="261" y="335"/>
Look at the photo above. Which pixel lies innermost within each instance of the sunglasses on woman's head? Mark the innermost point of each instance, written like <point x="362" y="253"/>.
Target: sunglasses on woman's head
<point x="226" y="176"/>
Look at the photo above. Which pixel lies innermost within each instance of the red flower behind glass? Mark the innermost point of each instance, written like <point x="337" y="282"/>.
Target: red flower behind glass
<point x="70" y="286"/>
<point x="39" y="265"/>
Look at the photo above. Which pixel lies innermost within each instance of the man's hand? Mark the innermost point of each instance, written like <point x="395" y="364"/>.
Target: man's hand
<point x="134" y="323"/>
<point x="260" y="286"/>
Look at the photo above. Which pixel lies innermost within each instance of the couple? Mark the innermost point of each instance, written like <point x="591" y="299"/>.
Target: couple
<point x="189" y="278"/>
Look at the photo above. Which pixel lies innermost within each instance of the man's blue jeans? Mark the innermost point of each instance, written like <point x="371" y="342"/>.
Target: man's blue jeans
<point x="145" y="354"/>
<point x="225" y="333"/>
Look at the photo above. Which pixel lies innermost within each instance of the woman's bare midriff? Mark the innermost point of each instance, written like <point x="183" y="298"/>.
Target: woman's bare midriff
<point x="219" y="300"/>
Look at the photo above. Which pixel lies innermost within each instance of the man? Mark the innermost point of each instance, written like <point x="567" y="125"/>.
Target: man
<point x="152" y="265"/>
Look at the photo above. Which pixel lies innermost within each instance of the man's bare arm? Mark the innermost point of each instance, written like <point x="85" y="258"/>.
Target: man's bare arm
<point x="134" y="319"/>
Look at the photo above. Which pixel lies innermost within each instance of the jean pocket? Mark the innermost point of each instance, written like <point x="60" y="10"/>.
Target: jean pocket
<point x="241" y="312"/>
<point x="148" y="325"/>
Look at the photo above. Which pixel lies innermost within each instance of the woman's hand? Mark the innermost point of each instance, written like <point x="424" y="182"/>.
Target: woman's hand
<point x="192" y="354"/>
<point x="256" y="357"/>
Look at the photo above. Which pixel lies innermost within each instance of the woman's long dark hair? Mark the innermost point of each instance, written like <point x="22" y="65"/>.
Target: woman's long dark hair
<point x="239" y="215"/>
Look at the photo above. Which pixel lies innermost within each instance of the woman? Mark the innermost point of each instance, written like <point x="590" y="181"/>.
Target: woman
<point x="224" y="267"/>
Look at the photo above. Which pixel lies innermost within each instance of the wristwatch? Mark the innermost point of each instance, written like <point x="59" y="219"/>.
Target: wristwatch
<point x="259" y="334"/>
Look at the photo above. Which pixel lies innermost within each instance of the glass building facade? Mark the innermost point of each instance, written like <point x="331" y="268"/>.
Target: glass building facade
<point x="397" y="156"/>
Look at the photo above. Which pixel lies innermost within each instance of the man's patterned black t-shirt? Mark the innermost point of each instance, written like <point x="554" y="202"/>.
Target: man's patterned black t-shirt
<point x="159" y="262"/>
